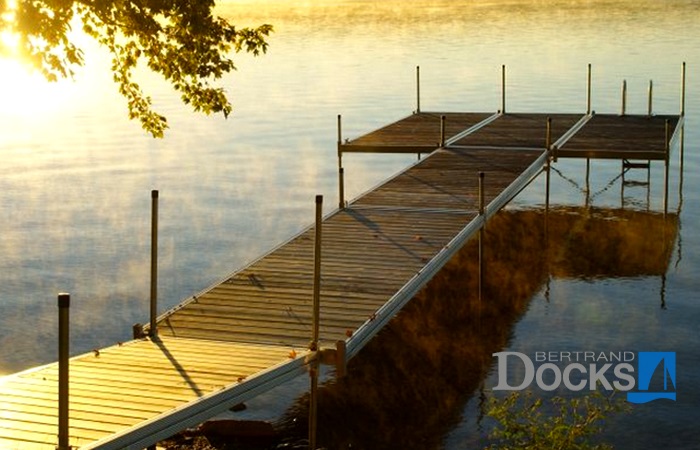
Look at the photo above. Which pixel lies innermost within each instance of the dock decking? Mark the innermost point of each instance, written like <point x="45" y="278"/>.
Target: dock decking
<point x="251" y="331"/>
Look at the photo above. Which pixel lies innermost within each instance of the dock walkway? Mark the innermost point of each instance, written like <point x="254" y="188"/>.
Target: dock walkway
<point x="251" y="331"/>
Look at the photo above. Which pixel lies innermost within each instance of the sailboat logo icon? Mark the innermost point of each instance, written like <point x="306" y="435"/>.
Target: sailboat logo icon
<point x="649" y="362"/>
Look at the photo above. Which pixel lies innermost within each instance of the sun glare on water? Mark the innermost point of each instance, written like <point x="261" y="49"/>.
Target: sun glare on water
<point x="26" y="92"/>
<point x="23" y="90"/>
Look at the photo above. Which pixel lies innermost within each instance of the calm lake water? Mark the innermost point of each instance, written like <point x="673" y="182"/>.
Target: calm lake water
<point x="76" y="175"/>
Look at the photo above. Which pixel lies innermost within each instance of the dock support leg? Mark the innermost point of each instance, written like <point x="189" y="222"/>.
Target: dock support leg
<point x="651" y="97"/>
<point x="341" y="171"/>
<point x="481" y="237"/>
<point x="317" y="272"/>
<point x="152" y="331"/>
<point x="503" y="89"/>
<point x="63" y="370"/>
<point x="417" y="89"/>
<point x="588" y="92"/>
<point x="442" y="131"/>
<point x="313" y="346"/>
<point x="546" y="199"/>
<point x="547" y="183"/>
<point x="624" y="98"/>
<point x="683" y="89"/>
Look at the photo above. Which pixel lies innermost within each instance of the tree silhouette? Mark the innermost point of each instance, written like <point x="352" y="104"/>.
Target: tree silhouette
<point x="182" y="40"/>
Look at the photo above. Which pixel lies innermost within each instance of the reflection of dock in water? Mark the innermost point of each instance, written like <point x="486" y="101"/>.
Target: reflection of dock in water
<point x="418" y="374"/>
<point x="250" y="333"/>
<point x="604" y="243"/>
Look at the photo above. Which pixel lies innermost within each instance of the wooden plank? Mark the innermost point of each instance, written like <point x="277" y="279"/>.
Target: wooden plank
<point x="107" y="423"/>
<point x="47" y="405"/>
<point x="24" y="442"/>
<point x="24" y="386"/>
<point x="40" y="431"/>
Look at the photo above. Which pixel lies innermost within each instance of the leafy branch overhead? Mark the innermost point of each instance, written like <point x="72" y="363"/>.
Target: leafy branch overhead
<point x="182" y="40"/>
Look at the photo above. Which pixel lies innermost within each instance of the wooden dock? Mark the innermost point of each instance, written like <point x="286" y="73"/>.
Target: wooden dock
<point x="251" y="331"/>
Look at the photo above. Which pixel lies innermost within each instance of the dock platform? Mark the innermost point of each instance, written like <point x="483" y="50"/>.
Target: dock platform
<point x="251" y="331"/>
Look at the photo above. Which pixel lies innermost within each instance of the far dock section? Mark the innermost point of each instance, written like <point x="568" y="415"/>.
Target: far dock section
<point x="598" y="136"/>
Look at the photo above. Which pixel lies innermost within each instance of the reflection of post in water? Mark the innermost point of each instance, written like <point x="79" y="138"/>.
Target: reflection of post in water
<point x="588" y="182"/>
<point x="483" y="407"/>
<point x="680" y="200"/>
<point x="663" y="291"/>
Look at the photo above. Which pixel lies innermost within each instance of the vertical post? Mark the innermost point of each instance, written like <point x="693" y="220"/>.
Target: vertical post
<point x="341" y="171"/>
<point x="317" y="271"/>
<point x="63" y="370"/>
<point x="442" y="130"/>
<point x="667" y="148"/>
<point x="313" y="346"/>
<point x="624" y="97"/>
<point x="683" y="89"/>
<point x="682" y="144"/>
<point x="481" y="235"/>
<point x="651" y="96"/>
<point x="481" y="195"/>
<point x="152" y="331"/>
<point x="588" y="91"/>
<point x="417" y="89"/>
<point x="503" y="89"/>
